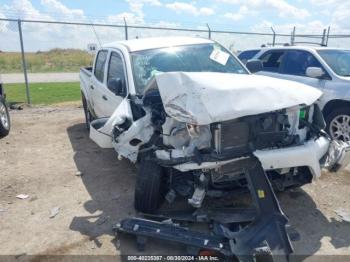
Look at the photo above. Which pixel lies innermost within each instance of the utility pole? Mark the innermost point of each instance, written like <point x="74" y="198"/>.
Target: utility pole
<point x="24" y="62"/>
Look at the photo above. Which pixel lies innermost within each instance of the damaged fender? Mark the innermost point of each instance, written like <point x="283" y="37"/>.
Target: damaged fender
<point x="114" y="132"/>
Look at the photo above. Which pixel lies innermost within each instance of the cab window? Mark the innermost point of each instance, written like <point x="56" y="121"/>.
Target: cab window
<point x="272" y="60"/>
<point x="116" y="68"/>
<point x="100" y="65"/>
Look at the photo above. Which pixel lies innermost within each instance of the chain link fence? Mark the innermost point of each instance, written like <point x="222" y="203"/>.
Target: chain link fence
<point x="51" y="51"/>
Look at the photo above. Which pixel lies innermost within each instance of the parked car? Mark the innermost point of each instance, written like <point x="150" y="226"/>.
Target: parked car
<point x="5" y="123"/>
<point x="246" y="55"/>
<point x="187" y="111"/>
<point x="327" y="69"/>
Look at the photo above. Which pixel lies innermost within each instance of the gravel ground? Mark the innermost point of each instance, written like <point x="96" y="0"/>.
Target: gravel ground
<point x="49" y="145"/>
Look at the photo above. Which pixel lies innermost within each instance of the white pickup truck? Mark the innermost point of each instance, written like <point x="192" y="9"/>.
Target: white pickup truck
<point x="188" y="111"/>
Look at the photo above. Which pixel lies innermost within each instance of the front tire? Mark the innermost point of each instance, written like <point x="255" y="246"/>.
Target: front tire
<point x="5" y="124"/>
<point x="149" y="187"/>
<point x="338" y="124"/>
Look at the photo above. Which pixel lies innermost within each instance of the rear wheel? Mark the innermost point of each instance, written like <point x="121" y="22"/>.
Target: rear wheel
<point x="338" y="124"/>
<point x="149" y="187"/>
<point x="88" y="116"/>
<point x="5" y="123"/>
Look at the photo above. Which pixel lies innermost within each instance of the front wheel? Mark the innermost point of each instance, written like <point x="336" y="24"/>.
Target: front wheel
<point x="149" y="187"/>
<point x="5" y="123"/>
<point x="338" y="124"/>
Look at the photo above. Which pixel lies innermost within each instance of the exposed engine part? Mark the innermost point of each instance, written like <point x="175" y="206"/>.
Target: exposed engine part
<point x="200" y="188"/>
<point x="197" y="198"/>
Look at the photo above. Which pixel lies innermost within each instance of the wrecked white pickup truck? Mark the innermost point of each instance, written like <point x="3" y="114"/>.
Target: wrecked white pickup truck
<point x="199" y="124"/>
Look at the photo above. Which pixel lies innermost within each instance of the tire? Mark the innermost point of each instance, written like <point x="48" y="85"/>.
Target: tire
<point x="338" y="124"/>
<point x="149" y="187"/>
<point x="88" y="116"/>
<point x="5" y="123"/>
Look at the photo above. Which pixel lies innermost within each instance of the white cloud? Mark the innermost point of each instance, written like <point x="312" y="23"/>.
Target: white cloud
<point x="56" y="7"/>
<point x="242" y="13"/>
<point x="182" y="7"/>
<point x="283" y="8"/>
<point x="136" y="6"/>
<point x="130" y="18"/>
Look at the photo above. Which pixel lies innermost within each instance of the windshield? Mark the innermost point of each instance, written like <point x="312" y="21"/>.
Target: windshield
<point x="338" y="60"/>
<point x="191" y="58"/>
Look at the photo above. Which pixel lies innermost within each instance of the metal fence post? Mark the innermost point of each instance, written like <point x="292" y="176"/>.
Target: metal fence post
<point x="126" y="29"/>
<point x="292" y="36"/>
<point x="24" y="62"/>
<point x="273" y="37"/>
<point x="209" y="32"/>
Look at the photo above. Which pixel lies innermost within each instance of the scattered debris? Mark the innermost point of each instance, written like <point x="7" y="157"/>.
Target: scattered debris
<point x="16" y="107"/>
<point x="22" y="196"/>
<point x="102" y="220"/>
<point x="344" y="215"/>
<point x="20" y="255"/>
<point x="78" y="173"/>
<point x="54" y="212"/>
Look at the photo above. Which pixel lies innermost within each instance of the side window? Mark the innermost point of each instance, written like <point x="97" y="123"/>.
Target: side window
<point x="100" y="65"/>
<point x="295" y="62"/>
<point x="272" y="60"/>
<point x="116" y="67"/>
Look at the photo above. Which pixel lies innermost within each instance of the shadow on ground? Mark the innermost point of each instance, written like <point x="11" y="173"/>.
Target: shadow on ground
<point x="110" y="184"/>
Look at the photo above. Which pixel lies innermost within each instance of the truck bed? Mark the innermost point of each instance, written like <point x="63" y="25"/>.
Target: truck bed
<point x="85" y="74"/>
<point x="86" y="70"/>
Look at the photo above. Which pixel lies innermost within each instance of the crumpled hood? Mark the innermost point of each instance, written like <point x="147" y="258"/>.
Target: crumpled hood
<point x="204" y="98"/>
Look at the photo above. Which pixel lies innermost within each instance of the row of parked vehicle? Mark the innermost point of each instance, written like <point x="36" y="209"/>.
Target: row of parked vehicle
<point x="327" y="69"/>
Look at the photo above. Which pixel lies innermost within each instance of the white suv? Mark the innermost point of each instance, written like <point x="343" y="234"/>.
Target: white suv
<point x="327" y="69"/>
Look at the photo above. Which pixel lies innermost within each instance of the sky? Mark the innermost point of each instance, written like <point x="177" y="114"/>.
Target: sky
<point x="309" y="16"/>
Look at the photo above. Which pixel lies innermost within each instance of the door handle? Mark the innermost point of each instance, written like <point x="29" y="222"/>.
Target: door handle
<point x="104" y="97"/>
<point x="92" y="87"/>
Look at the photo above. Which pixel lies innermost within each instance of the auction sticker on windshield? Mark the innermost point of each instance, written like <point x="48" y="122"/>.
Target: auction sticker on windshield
<point x="219" y="56"/>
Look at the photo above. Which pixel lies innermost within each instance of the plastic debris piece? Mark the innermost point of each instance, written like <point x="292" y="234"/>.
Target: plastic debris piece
<point x="54" y="212"/>
<point x="344" y="215"/>
<point x="22" y="196"/>
<point x="78" y="173"/>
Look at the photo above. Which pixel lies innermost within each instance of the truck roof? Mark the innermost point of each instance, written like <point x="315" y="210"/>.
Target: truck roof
<point x="158" y="42"/>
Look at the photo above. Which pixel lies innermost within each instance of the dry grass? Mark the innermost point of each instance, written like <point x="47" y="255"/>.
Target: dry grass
<point x="55" y="60"/>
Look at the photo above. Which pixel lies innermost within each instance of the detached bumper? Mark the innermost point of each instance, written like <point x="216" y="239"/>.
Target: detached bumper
<point x="308" y="154"/>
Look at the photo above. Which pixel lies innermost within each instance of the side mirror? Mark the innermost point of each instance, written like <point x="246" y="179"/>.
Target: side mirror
<point x="116" y="85"/>
<point x="254" y="65"/>
<point x="314" y="72"/>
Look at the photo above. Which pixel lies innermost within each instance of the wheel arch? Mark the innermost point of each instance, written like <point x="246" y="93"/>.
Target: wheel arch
<point x="334" y="104"/>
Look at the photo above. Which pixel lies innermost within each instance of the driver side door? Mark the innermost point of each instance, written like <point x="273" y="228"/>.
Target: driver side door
<point x="115" y="69"/>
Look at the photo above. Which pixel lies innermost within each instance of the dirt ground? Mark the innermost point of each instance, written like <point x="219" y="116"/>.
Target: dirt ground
<point x="41" y="157"/>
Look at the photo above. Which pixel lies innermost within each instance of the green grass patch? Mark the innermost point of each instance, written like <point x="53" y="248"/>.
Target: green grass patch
<point x="55" y="60"/>
<point x="44" y="93"/>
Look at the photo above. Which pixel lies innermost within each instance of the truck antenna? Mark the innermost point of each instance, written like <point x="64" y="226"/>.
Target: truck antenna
<point x="98" y="39"/>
